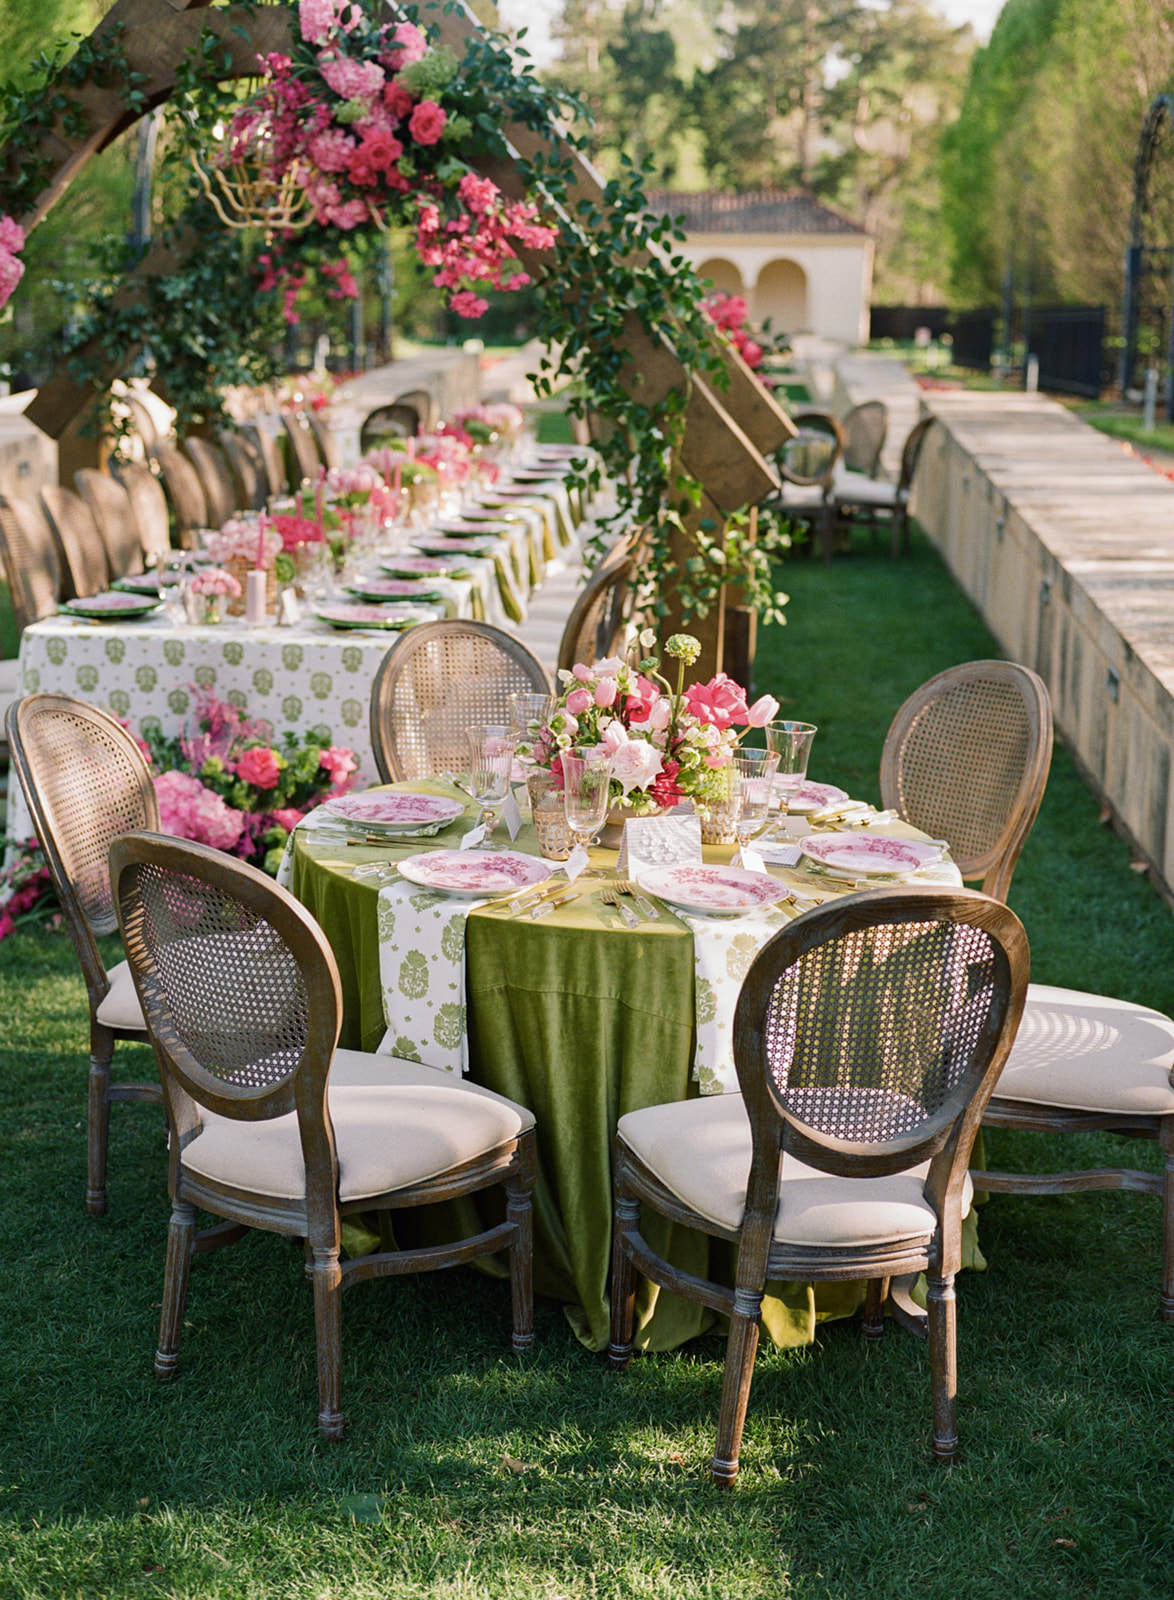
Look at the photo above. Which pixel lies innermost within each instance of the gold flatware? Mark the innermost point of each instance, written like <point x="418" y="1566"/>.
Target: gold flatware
<point x="610" y="896"/>
<point x="643" y="903"/>
<point x="553" y="902"/>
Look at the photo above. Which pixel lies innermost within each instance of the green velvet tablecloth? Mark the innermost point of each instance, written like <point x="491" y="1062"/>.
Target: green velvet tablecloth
<point x="582" y="1020"/>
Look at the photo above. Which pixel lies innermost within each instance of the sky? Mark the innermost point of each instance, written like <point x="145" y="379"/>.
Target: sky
<point x="535" y="15"/>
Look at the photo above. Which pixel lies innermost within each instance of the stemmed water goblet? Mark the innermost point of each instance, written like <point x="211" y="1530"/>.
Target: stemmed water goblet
<point x="491" y="762"/>
<point x="527" y="714"/>
<point x="791" y="742"/>
<point x="586" y="790"/>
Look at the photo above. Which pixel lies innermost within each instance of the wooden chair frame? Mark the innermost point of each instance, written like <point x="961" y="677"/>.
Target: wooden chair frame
<point x="114" y="517"/>
<point x="269" y="448"/>
<point x="524" y="672"/>
<point x="601" y="612"/>
<point x="898" y="511"/>
<point x="248" y="468"/>
<point x="63" y="804"/>
<point x="185" y="492"/>
<point x="944" y="1138"/>
<point x="928" y="743"/>
<point x="80" y="547"/>
<point x="190" y="1087"/>
<point x="148" y="501"/>
<point x="307" y="461"/>
<point x="820" y="511"/>
<point x="325" y="439"/>
<point x="215" y="477"/>
<point x="31" y="560"/>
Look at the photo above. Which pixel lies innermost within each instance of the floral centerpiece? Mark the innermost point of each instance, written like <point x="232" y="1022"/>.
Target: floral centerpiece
<point x="666" y="743"/>
<point x="236" y="546"/>
<point x="213" y="585"/>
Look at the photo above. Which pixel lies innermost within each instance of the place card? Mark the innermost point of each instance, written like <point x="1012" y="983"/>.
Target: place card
<point x="779" y="852"/>
<point x="671" y="841"/>
<point x="473" y="838"/>
<point x="752" y="860"/>
<point x="289" y="608"/>
<point x="511" y="815"/>
<point x="575" y="863"/>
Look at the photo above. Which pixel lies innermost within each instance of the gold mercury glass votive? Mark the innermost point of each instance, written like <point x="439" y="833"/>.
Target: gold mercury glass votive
<point x="550" y="817"/>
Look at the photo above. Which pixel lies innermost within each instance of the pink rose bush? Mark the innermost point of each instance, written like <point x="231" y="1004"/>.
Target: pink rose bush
<point x="226" y="782"/>
<point x="11" y="269"/>
<point x="665" y="744"/>
<point x="729" y="312"/>
<point x="368" y="116"/>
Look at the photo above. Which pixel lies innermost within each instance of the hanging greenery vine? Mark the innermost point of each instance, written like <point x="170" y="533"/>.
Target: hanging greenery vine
<point x="370" y="124"/>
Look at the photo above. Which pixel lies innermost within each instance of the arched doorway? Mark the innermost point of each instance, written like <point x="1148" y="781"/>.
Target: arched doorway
<point x="781" y="295"/>
<point x="723" y="274"/>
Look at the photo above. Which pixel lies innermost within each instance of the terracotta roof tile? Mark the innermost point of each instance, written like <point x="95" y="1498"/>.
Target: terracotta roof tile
<point x="759" y="211"/>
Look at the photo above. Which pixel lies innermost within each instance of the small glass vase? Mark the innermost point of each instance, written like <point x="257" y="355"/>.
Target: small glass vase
<point x="213" y="609"/>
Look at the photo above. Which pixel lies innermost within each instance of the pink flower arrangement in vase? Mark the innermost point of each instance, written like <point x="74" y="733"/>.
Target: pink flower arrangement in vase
<point x="666" y="743"/>
<point x="212" y="586"/>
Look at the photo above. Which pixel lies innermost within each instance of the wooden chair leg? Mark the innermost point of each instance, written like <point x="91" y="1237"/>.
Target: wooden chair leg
<point x="520" y="1213"/>
<point x="1167" y="1301"/>
<point x="327" y="1278"/>
<point x="623" y="1277"/>
<point x="741" y="1349"/>
<point x="98" y="1120"/>
<point x="874" y="1307"/>
<point x="943" y="1363"/>
<point x="181" y="1238"/>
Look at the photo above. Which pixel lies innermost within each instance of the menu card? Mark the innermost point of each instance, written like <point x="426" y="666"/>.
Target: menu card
<point x="669" y="841"/>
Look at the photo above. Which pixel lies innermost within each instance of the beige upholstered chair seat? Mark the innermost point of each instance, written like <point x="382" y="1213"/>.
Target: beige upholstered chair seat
<point x="440" y="1122"/>
<point x="861" y="489"/>
<point x="120" y="1008"/>
<point x="700" y="1150"/>
<point x="1087" y="1052"/>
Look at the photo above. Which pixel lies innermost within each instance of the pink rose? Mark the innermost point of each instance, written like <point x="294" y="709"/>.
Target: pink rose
<point x="578" y="700"/>
<point x="339" y="762"/>
<point x="398" y="100"/>
<point x="259" y="766"/>
<point x="286" y="817"/>
<point x="427" y="122"/>
<point x="765" y="709"/>
<point x="606" y="691"/>
<point x="719" y="702"/>
<point x="635" y="764"/>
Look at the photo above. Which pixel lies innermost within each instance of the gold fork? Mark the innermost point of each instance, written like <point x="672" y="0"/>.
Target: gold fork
<point x="626" y="886"/>
<point x="611" y="897"/>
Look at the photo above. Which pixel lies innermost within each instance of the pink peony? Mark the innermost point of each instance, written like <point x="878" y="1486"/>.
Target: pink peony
<point x="339" y="762"/>
<point x="260" y="766"/>
<point x="427" y="122"/>
<point x="765" y="709"/>
<point x="718" y="703"/>
<point x="579" y="700"/>
<point x="190" y="811"/>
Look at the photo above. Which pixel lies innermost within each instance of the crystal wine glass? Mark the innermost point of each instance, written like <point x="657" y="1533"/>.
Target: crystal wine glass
<point x="586" y="790"/>
<point x="791" y="742"/>
<point x="528" y="713"/>
<point x="756" y="770"/>
<point x="491" y="761"/>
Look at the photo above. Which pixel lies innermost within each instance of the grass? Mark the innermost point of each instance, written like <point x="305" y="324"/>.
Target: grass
<point x="470" y="1475"/>
<point x="1121" y="423"/>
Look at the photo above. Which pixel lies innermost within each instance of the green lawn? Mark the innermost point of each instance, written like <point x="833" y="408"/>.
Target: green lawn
<point x="469" y="1473"/>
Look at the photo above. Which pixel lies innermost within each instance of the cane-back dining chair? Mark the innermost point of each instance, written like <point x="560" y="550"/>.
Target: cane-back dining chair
<point x="865" y="428"/>
<point x="85" y="782"/>
<point x="270" y="1125"/>
<point x="806" y="463"/>
<point x="269" y="448"/>
<point x="79" y="544"/>
<point x="216" y="479"/>
<point x="966" y="760"/>
<point x="185" y="492"/>
<point x="248" y="469"/>
<point x="325" y="438"/>
<point x="31" y="560"/>
<point x="114" y="517"/>
<point x="602" y="612"/>
<point x="149" y="504"/>
<point x="307" y="461"/>
<point x="867" y="1038"/>
<point x="437" y="680"/>
<point x="854" y="495"/>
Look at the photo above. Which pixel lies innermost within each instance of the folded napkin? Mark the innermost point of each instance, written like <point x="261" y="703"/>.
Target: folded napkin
<point x="422" y="975"/>
<point x="723" y="949"/>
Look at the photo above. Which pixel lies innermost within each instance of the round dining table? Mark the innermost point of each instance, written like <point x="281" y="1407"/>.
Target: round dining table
<point x="581" y="1018"/>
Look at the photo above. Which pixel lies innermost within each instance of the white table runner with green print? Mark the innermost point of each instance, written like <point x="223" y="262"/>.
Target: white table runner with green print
<point x="422" y="975"/>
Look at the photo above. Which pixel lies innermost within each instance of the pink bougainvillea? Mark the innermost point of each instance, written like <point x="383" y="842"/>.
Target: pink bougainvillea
<point x="11" y="269"/>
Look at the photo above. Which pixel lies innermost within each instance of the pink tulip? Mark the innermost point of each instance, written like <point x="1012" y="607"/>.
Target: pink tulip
<point x="579" y="700"/>
<point x="660" y="715"/>
<point x="614" y="735"/>
<point x="605" y="693"/>
<point x="765" y="709"/>
<point x="584" y="674"/>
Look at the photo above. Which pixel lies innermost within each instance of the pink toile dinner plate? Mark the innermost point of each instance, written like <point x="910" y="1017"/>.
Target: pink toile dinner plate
<point x="714" y="890"/>
<point x="814" y="796"/>
<point x="112" y="605"/>
<point x="359" y="615"/>
<point x="406" y="589"/>
<point x="474" y="872"/>
<point x="867" y="855"/>
<point x="395" y="812"/>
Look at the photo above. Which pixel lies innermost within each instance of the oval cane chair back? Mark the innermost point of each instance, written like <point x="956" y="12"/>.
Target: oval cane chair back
<point x="966" y="760"/>
<point x="865" y="428"/>
<point x="437" y="680"/>
<point x="388" y="422"/>
<point x="185" y="492"/>
<point x="114" y="517"/>
<point x="248" y="469"/>
<point x="142" y="421"/>
<point x="307" y="462"/>
<point x="269" y="448"/>
<point x="325" y="439"/>
<point x="602" y="612"/>
<point x="31" y="561"/>
<point x="149" y="506"/>
<point x="808" y="458"/>
<point x="85" y="782"/>
<point x="79" y="544"/>
<point x="911" y="454"/>
<point x="216" y="480"/>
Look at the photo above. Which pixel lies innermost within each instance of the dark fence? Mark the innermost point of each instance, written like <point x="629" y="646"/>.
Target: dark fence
<point x="974" y="338"/>
<point x="1068" y="342"/>
<point x="902" y="322"/>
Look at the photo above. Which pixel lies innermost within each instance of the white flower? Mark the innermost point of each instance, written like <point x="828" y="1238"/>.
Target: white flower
<point x="635" y="764"/>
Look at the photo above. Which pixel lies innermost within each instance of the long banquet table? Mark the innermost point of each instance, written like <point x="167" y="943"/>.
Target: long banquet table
<point x="582" y="1020"/>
